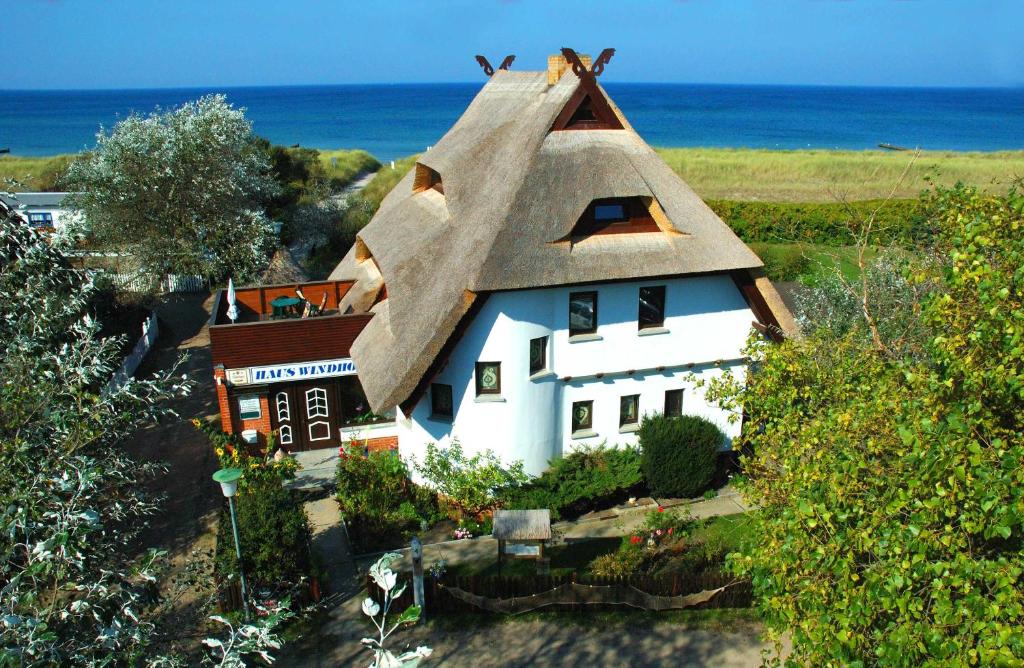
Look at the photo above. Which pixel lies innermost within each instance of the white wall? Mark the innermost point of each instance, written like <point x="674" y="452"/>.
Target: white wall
<point x="61" y="217"/>
<point x="707" y="321"/>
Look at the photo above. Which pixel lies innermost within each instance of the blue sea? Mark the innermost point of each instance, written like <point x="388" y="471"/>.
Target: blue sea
<point x="392" y="121"/>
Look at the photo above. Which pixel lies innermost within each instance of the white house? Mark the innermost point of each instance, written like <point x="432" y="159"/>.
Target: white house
<point x="42" y="210"/>
<point x="543" y="279"/>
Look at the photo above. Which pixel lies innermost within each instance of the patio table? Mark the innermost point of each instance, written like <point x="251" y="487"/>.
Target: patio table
<point x="284" y="307"/>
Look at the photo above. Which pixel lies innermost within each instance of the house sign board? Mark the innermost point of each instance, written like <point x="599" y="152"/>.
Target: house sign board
<point x="288" y="372"/>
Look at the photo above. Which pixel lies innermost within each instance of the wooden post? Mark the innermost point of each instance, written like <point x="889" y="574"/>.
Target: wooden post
<point x="417" y="576"/>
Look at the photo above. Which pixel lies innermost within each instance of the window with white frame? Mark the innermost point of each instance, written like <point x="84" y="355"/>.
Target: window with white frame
<point x="316" y="402"/>
<point x="282" y="407"/>
<point x="286" y="434"/>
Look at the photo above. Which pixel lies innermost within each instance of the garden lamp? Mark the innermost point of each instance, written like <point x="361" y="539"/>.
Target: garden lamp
<point x="228" y="479"/>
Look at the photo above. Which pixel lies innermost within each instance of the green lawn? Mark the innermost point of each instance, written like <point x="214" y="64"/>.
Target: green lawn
<point x="788" y="262"/>
<point x="822" y="176"/>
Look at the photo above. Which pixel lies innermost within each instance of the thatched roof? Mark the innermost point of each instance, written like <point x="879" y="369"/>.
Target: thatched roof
<point x="512" y="193"/>
<point x="522" y="524"/>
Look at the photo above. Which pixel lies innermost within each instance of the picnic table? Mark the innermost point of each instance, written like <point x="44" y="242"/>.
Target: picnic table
<point x="285" y="307"/>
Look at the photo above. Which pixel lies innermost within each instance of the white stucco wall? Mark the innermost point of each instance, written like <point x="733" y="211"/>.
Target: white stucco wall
<point x="707" y="320"/>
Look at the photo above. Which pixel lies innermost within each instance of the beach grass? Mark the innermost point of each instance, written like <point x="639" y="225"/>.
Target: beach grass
<point x="714" y="173"/>
<point x="30" y="173"/>
<point x="342" y="166"/>
<point x="823" y="176"/>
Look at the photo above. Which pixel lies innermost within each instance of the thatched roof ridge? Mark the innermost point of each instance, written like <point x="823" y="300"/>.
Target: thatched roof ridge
<point x="512" y="192"/>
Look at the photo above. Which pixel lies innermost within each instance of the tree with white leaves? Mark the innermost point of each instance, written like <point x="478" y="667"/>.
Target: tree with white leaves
<point x="387" y="581"/>
<point x="181" y="191"/>
<point x="71" y="498"/>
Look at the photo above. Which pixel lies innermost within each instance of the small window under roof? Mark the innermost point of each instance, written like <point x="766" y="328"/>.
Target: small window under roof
<point x="615" y="215"/>
<point x="582" y="113"/>
<point x="427" y="179"/>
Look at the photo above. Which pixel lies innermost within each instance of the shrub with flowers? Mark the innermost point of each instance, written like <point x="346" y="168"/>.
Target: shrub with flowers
<point x="639" y="550"/>
<point x="233" y="452"/>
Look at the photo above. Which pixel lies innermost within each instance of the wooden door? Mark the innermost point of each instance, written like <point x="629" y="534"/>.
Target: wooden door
<point x="307" y="415"/>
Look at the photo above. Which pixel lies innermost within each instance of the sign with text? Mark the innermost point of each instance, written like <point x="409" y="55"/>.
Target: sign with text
<point x="300" y="371"/>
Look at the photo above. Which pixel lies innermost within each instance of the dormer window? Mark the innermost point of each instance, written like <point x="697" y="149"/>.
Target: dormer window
<point x="427" y="179"/>
<point x="616" y="215"/>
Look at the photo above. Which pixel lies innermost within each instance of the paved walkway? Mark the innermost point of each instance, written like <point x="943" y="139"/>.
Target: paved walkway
<point x="316" y="469"/>
<point x="330" y="542"/>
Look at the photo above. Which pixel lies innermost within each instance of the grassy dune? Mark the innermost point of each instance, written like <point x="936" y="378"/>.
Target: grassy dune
<point x="43" y="173"/>
<point x="731" y="174"/>
<point x="32" y="173"/>
<point x="821" y="176"/>
<point x="349" y="164"/>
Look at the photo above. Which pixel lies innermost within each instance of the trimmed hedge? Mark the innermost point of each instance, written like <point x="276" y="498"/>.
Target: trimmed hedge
<point x="274" y="534"/>
<point x="903" y="221"/>
<point x="679" y="455"/>
<point x="582" y="481"/>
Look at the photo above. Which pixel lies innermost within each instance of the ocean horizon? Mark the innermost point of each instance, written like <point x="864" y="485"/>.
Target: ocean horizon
<point x="395" y="120"/>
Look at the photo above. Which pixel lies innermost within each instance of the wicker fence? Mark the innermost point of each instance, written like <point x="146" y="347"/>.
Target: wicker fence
<point x="512" y="594"/>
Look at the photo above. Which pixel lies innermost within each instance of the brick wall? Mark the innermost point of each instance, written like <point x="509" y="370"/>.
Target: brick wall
<point x="382" y="443"/>
<point x="222" y="399"/>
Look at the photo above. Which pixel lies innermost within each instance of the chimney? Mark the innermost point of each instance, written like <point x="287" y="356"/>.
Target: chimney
<point x="558" y="65"/>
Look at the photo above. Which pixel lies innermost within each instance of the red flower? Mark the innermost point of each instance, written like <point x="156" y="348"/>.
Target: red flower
<point x="670" y="531"/>
<point x="634" y="539"/>
<point x="660" y="509"/>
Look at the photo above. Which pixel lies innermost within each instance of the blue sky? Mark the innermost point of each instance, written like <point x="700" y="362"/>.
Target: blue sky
<point x="180" y="43"/>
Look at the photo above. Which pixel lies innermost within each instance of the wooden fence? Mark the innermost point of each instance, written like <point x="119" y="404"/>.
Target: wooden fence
<point x="619" y="591"/>
<point x="150" y="330"/>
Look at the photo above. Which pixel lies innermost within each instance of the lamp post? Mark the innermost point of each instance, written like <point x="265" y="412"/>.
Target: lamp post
<point x="228" y="479"/>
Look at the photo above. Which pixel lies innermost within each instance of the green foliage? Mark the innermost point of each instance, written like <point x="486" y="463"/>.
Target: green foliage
<point x="817" y="175"/>
<point x="890" y="487"/>
<point x="896" y="221"/>
<point x="679" y="455"/>
<point x="378" y="501"/>
<point x="307" y="175"/>
<point x="181" y="191"/>
<point x="783" y="262"/>
<point x="274" y="534"/>
<point x="468" y="486"/>
<point x="21" y="173"/>
<point x="73" y="498"/>
<point x="342" y="166"/>
<point x="585" y="479"/>
<point x="360" y="208"/>
<point x="233" y="452"/>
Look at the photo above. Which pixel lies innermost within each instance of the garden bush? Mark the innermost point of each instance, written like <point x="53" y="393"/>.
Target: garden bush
<point x="274" y="534"/>
<point x="468" y="486"/>
<point x="582" y="481"/>
<point x="679" y="454"/>
<point x="379" y="502"/>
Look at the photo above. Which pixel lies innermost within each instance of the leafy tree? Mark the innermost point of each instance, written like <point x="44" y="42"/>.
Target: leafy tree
<point x="70" y="496"/>
<point x="891" y="529"/>
<point x="181" y="191"/>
